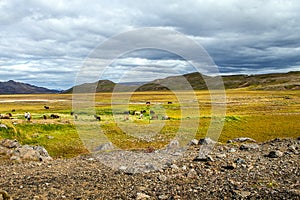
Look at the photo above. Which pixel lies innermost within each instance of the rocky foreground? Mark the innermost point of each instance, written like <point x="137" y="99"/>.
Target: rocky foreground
<point x="236" y="170"/>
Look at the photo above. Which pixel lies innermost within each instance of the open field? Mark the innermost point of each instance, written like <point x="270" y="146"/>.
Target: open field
<point x="261" y="115"/>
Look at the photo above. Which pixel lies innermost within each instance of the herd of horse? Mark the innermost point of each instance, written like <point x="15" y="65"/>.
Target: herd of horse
<point x="141" y="113"/>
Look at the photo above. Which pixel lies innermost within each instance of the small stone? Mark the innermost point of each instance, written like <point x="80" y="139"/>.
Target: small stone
<point x="192" y="174"/>
<point x="174" y="166"/>
<point x="240" y="161"/>
<point x="275" y="154"/>
<point x="162" y="177"/>
<point x="206" y="141"/>
<point x="3" y="126"/>
<point x="193" y="142"/>
<point x="248" y="147"/>
<point x="142" y="196"/>
<point x="184" y="167"/>
<point x="163" y="197"/>
<point x="105" y="147"/>
<point x="230" y="166"/>
<point x="50" y="137"/>
<point x="221" y="155"/>
<point x="122" y="168"/>
<point x="243" y="139"/>
<point x="173" y="144"/>
<point x="10" y="143"/>
<point x="231" y="150"/>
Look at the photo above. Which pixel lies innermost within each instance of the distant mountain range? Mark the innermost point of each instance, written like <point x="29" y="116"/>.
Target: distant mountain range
<point x="13" y="87"/>
<point x="275" y="81"/>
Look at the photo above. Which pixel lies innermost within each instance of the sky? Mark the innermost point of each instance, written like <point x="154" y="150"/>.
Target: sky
<point x="47" y="43"/>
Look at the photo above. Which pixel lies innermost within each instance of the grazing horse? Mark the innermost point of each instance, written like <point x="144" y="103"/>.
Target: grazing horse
<point x="46" y="107"/>
<point x="165" y="117"/>
<point x="13" y="110"/>
<point x="169" y="102"/>
<point x="97" y="117"/>
<point x="2" y="116"/>
<point x="154" y="117"/>
<point x="44" y="117"/>
<point x="54" y="116"/>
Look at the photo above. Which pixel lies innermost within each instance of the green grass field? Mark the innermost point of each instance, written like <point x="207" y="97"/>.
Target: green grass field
<point x="261" y="115"/>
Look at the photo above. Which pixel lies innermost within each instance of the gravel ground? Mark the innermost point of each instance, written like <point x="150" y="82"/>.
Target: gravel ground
<point x="268" y="170"/>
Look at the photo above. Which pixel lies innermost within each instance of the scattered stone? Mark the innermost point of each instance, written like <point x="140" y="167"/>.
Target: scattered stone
<point x="174" y="144"/>
<point x="248" y="147"/>
<point x="192" y="174"/>
<point x="240" y="161"/>
<point x="241" y="139"/>
<point x="174" y="166"/>
<point x="204" y="158"/>
<point x="230" y="166"/>
<point x="10" y="143"/>
<point x="206" y="141"/>
<point x="162" y="177"/>
<point x="50" y="137"/>
<point x="142" y="196"/>
<point x="105" y="147"/>
<point x="242" y="194"/>
<point x="293" y="149"/>
<point x="193" y="142"/>
<point x="231" y="150"/>
<point x="3" y="126"/>
<point x="275" y="154"/>
<point x="163" y="197"/>
<point x="221" y="155"/>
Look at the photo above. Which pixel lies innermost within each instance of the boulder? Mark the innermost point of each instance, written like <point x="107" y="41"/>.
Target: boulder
<point x="193" y="142"/>
<point x="35" y="153"/>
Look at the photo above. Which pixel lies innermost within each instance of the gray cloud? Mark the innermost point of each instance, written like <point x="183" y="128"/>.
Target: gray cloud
<point x="46" y="42"/>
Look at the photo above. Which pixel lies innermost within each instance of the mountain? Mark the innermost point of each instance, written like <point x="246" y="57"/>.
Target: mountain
<point x="13" y="87"/>
<point x="274" y="81"/>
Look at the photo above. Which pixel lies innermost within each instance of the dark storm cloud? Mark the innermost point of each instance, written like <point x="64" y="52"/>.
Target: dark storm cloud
<point x="46" y="42"/>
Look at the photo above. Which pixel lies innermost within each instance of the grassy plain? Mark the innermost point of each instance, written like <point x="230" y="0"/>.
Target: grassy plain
<point x="261" y="115"/>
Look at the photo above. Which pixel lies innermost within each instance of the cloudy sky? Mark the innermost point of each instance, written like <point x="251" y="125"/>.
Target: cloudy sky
<point x="47" y="43"/>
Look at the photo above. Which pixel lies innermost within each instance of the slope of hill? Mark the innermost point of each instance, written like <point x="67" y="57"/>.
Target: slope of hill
<point x="275" y="81"/>
<point x="13" y="87"/>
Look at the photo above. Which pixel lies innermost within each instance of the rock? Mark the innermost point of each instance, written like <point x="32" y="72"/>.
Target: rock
<point x="241" y="139"/>
<point x="142" y="196"/>
<point x="193" y="142"/>
<point x="35" y="153"/>
<point x="122" y="168"/>
<point x="162" y="177"/>
<point x="192" y="174"/>
<point x="105" y="147"/>
<point x="240" y="161"/>
<point x="230" y="166"/>
<point x="275" y="154"/>
<point x="206" y="141"/>
<point x="231" y="150"/>
<point x="173" y="144"/>
<point x="10" y="143"/>
<point x="248" y="147"/>
<point x="3" y="126"/>
<point x="221" y="155"/>
<point x="163" y="197"/>
<point x="242" y="194"/>
<point x="174" y="166"/>
<point x="293" y="149"/>
<point x="50" y="137"/>
<point x="204" y="158"/>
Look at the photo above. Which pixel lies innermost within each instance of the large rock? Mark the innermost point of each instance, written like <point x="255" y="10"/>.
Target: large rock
<point x="36" y="153"/>
<point x="16" y="151"/>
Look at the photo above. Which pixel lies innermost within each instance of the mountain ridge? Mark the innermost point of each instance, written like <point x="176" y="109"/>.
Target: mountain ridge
<point x="14" y="87"/>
